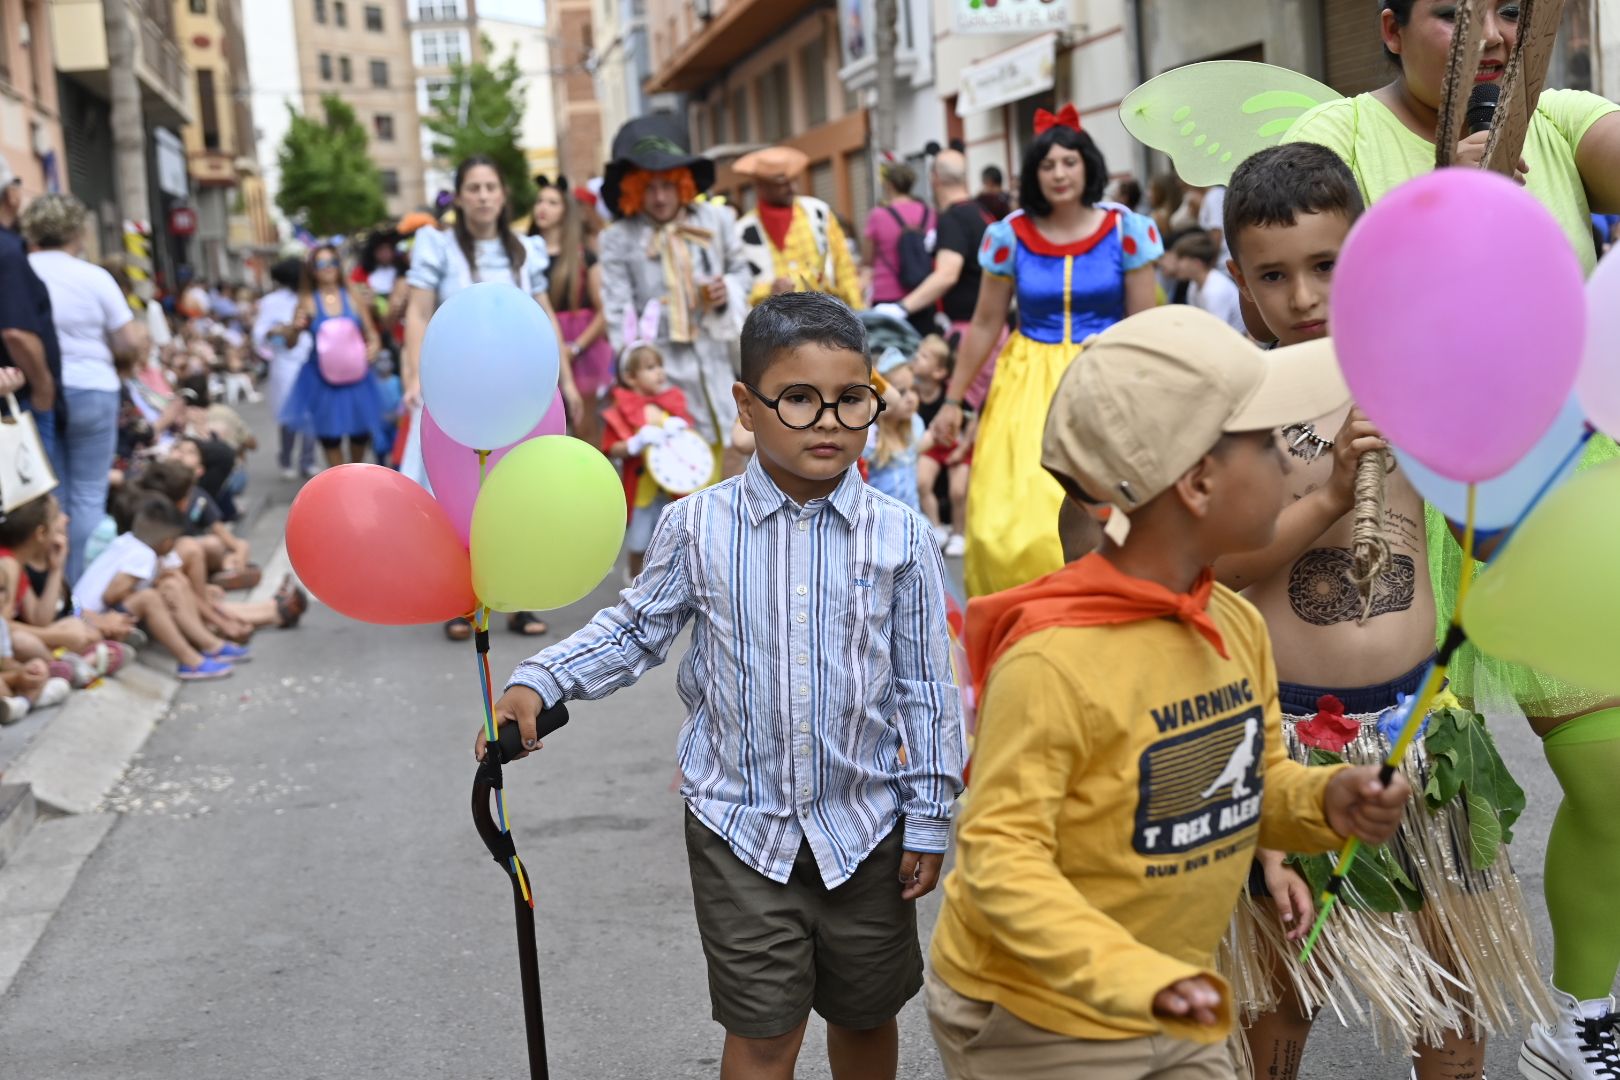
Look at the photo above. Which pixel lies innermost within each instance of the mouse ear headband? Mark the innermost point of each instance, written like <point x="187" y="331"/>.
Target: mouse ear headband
<point x="642" y="330"/>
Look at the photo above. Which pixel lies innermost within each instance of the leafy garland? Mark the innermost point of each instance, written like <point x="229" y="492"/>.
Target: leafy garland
<point x="1464" y="766"/>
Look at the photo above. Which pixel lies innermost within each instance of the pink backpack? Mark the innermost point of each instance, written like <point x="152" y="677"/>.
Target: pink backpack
<point x="341" y="351"/>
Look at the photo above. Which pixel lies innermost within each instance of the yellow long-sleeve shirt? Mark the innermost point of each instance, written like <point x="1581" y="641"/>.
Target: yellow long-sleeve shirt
<point x="1121" y="778"/>
<point x="802" y="261"/>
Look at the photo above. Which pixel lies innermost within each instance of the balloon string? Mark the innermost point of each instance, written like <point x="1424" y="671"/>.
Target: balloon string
<point x="1542" y="492"/>
<point x="1419" y="711"/>
<point x="486" y="689"/>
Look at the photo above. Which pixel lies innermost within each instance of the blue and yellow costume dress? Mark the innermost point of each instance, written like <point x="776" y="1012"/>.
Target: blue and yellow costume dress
<point x="1066" y="293"/>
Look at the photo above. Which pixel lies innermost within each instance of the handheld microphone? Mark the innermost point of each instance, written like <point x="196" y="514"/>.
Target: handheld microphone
<point x="1482" y="107"/>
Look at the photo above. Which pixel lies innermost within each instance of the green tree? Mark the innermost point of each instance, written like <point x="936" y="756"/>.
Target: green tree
<point x="327" y="177"/>
<point x="481" y="112"/>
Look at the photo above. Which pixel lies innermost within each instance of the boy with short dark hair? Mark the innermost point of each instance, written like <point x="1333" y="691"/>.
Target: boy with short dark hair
<point x="823" y="744"/>
<point x="1128" y="754"/>
<point x="1288" y="212"/>
<point x="125" y="577"/>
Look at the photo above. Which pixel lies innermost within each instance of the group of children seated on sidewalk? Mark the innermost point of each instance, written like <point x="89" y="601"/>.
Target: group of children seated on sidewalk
<point x="160" y="565"/>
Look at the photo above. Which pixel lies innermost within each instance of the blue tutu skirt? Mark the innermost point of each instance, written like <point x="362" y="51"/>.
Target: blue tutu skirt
<point x="334" y="412"/>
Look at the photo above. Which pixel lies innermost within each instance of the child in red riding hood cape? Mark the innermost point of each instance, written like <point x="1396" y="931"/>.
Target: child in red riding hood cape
<point x="646" y="409"/>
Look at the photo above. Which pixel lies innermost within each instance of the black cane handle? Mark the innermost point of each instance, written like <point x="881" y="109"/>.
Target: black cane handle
<point x="510" y="741"/>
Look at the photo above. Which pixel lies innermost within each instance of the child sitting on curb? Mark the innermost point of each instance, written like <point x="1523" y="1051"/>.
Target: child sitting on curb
<point x="44" y="623"/>
<point x="125" y="577"/>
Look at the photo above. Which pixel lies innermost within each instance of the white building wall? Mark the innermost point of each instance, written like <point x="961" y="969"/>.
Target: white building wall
<point x="273" y="83"/>
<point x="539" y="135"/>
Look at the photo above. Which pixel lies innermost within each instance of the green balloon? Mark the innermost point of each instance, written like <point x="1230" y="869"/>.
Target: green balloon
<point x="1549" y="600"/>
<point x="547" y="526"/>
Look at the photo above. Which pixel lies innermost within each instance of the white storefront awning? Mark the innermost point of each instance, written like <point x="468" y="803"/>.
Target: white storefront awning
<point x="1008" y="76"/>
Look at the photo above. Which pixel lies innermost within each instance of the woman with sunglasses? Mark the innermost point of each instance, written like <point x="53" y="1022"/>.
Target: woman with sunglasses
<point x="336" y="397"/>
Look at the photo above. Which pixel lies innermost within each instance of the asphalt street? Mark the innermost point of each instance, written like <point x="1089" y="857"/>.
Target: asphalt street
<point x="293" y="887"/>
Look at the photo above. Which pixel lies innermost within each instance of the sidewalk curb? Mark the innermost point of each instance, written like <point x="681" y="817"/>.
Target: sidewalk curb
<point x="36" y="881"/>
<point x="77" y="758"/>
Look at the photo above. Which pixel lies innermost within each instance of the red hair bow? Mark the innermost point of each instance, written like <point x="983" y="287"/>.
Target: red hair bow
<point x="1068" y="117"/>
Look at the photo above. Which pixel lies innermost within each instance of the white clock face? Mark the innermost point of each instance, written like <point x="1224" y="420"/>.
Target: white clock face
<point x="682" y="463"/>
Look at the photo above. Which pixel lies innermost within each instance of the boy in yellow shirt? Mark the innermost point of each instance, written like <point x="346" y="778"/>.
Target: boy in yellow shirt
<point x="1129" y="755"/>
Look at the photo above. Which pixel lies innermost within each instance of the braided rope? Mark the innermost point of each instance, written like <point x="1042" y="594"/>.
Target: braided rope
<point x="1369" y="547"/>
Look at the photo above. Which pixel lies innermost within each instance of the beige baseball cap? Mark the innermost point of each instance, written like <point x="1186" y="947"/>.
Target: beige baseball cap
<point x="1150" y="396"/>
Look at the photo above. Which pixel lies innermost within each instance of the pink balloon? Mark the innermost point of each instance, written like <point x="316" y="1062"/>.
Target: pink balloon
<point x="1459" y="316"/>
<point x="453" y="469"/>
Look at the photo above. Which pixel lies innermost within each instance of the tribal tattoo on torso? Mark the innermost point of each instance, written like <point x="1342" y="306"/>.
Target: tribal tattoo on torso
<point x="1321" y="593"/>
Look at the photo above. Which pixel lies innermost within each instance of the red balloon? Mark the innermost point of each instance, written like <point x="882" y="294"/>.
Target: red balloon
<point x="374" y="546"/>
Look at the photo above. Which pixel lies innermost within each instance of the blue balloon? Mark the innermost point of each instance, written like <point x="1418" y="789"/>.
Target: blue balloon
<point x="489" y="365"/>
<point x="1501" y="502"/>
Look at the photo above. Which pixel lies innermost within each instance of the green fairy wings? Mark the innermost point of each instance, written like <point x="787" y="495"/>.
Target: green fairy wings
<point x="1211" y="117"/>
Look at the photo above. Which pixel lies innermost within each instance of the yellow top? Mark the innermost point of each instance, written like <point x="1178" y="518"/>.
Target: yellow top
<point x="1110" y="823"/>
<point x="804" y="263"/>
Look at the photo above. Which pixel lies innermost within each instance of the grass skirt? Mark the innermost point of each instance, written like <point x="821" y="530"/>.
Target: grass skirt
<point x="1465" y="962"/>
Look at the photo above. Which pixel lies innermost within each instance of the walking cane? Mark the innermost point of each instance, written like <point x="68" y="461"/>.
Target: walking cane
<point x="498" y="838"/>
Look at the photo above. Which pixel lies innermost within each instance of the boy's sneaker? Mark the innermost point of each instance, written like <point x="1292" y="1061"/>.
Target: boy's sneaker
<point x="54" y="692"/>
<point x="13" y="709"/>
<point x="1580" y="1043"/>
<point x="956" y="546"/>
<point x="231" y="653"/>
<point x="208" y="669"/>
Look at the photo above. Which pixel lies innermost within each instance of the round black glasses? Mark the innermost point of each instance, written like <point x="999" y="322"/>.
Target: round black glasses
<point x="801" y="406"/>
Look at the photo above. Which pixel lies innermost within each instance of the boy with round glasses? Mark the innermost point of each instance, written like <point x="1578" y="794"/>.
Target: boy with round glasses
<point x="822" y="746"/>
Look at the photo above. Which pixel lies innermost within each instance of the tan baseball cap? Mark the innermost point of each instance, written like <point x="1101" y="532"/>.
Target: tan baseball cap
<point x="1150" y="396"/>
<point x="772" y="163"/>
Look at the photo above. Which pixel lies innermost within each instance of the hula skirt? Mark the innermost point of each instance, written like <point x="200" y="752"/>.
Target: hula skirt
<point x="334" y="412"/>
<point x="1013" y="503"/>
<point x="1466" y="961"/>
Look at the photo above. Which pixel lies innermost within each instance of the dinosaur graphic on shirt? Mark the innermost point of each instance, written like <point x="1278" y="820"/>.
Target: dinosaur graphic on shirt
<point x="1239" y="765"/>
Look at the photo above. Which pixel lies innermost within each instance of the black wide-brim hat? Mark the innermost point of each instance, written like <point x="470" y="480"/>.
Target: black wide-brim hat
<point x="655" y="143"/>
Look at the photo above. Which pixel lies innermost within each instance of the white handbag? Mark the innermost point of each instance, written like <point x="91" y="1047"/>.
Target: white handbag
<point x="25" y="471"/>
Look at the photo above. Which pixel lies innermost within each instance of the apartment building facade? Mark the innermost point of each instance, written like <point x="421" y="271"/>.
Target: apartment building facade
<point x="360" y="50"/>
<point x="30" y="117"/>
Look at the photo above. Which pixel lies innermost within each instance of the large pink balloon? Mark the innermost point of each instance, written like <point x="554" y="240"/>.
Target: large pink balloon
<point x="453" y="469"/>
<point x="1459" y="317"/>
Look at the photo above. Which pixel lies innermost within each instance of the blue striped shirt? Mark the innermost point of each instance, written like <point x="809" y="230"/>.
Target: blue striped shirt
<point x="820" y="702"/>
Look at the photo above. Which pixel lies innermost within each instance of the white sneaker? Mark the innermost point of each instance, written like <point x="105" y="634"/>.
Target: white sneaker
<point x="54" y="692"/>
<point x="1580" y="1043"/>
<point x="956" y="546"/>
<point x="289" y="473"/>
<point x="13" y="709"/>
<point x="941" y="534"/>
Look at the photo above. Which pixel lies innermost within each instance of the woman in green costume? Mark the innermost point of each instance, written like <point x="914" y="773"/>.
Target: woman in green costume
<point x="1571" y="163"/>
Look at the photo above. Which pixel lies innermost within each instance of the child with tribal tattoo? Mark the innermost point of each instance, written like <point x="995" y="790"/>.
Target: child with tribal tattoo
<point x="1344" y="666"/>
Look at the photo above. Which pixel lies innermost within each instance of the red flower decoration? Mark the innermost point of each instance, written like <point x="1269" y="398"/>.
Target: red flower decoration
<point x="1329" y="729"/>
<point x="1068" y="117"/>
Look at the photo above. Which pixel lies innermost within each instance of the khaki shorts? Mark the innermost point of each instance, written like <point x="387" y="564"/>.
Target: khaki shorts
<point x="981" y="1041"/>
<point x="777" y="951"/>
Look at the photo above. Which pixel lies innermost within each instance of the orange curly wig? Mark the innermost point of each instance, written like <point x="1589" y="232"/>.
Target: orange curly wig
<point x="633" y="188"/>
